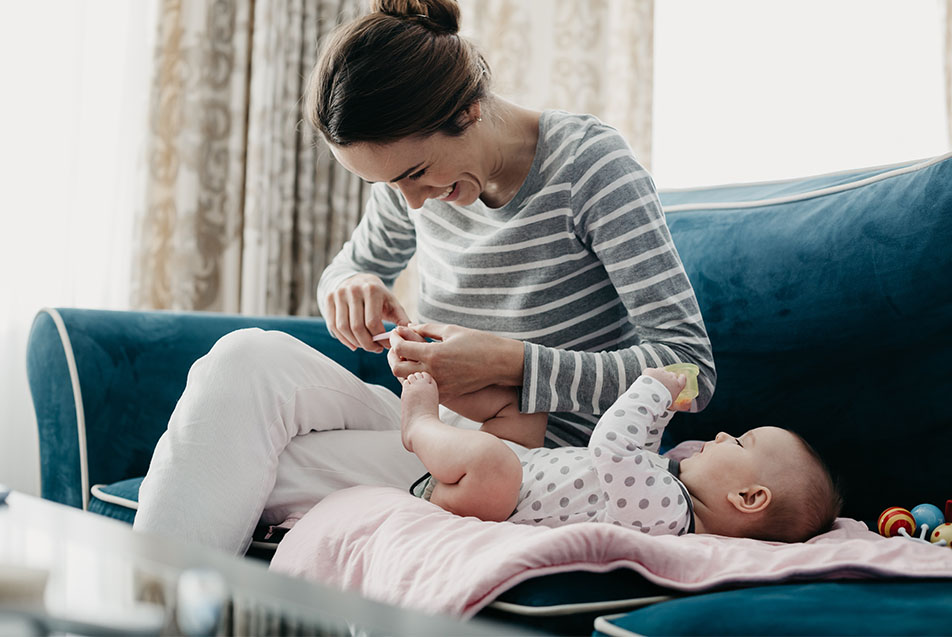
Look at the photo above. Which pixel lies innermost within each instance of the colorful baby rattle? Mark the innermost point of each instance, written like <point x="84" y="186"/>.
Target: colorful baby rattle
<point x="942" y="535"/>
<point x="893" y="519"/>
<point x="897" y="521"/>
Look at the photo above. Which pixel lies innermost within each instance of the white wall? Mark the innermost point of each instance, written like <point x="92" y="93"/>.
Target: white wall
<point x="747" y="90"/>
<point x="72" y="117"/>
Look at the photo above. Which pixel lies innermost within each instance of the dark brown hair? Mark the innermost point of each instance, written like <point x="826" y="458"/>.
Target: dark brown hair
<point x="399" y="71"/>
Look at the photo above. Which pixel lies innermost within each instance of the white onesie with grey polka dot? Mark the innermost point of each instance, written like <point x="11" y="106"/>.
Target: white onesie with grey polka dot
<point x="619" y="478"/>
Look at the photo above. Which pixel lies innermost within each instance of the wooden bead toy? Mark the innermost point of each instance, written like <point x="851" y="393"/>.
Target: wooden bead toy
<point x="893" y="519"/>
<point x="942" y="535"/>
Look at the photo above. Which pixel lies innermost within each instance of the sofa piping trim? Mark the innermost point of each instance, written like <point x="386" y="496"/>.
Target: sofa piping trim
<point x="557" y="610"/>
<point x="792" y="180"/>
<point x="77" y="400"/>
<point x="99" y="494"/>
<point x="812" y="194"/>
<point x="604" y="626"/>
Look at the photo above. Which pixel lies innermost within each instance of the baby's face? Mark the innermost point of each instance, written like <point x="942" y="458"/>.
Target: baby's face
<point x="748" y="457"/>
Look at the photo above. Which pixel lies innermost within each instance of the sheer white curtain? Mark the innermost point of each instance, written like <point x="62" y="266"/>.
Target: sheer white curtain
<point x="73" y="114"/>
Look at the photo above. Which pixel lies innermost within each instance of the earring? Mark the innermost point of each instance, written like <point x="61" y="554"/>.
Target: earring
<point x="479" y="119"/>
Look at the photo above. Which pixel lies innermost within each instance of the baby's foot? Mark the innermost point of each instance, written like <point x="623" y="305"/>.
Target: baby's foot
<point x="419" y="402"/>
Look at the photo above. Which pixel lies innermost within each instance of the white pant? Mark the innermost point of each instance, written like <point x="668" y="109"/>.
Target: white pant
<point x="241" y="444"/>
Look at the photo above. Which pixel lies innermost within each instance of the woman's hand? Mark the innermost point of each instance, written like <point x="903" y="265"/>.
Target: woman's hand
<point x="357" y="309"/>
<point x="461" y="360"/>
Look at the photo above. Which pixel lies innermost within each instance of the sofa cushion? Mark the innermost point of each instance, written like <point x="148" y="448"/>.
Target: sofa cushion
<point x="829" y="306"/>
<point x="569" y="603"/>
<point x="119" y="500"/>
<point x="825" y="608"/>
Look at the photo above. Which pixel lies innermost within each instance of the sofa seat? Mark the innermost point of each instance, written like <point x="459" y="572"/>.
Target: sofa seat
<point x="119" y="500"/>
<point x="828" y="608"/>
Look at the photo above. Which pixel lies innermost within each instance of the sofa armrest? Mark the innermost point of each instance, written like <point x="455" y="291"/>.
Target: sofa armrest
<point x="104" y="384"/>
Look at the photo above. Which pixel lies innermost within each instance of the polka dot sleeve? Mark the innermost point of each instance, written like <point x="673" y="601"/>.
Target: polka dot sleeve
<point x="638" y="493"/>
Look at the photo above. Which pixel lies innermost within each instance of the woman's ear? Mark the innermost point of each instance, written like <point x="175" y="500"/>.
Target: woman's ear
<point x="476" y="111"/>
<point x="470" y="115"/>
<point x="752" y="499"/>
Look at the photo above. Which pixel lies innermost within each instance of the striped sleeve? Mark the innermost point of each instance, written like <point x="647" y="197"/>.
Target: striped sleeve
<point x="618" y="218"/>
<point x="382" y="244"/>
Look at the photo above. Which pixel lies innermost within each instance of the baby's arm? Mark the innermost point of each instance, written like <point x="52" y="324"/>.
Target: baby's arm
<point x="647" y="402"/>
<point x="635" y="421"/>
<point x="639" y="494"/>
<point x="497" y="407"/>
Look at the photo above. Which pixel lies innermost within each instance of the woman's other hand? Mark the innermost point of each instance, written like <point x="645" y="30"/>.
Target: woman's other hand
<point x="460" y="359"/>
<point x="357" y="309"/>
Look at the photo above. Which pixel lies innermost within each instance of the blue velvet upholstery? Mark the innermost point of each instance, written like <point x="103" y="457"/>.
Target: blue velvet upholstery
<point x="830" y="608"/>
<point x="569" y="603"/>
<point x="824" y="313"/>
<point x="118" y="500"/>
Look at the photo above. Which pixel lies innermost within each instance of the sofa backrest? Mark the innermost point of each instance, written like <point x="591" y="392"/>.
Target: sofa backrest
<point x="828" y="301"/>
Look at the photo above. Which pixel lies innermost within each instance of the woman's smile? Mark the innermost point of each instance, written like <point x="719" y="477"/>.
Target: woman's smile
<point x="451" y="193"/>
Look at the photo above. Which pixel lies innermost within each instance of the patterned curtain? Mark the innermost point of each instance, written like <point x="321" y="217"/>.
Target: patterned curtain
<point x="244" y="205"/>
<point x="588" y="57"/>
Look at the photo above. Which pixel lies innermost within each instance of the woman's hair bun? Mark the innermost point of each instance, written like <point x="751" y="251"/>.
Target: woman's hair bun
<point x="438" y="15"/>
<point x="401" y="70"/>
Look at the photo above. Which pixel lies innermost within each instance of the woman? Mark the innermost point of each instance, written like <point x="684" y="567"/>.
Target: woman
<point x="544" y="260"/>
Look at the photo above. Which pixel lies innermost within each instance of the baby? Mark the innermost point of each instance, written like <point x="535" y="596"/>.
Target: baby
<point x="767" y="484"/>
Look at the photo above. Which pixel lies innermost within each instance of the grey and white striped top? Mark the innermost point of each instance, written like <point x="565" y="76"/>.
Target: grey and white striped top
<point x="579" y="265"/>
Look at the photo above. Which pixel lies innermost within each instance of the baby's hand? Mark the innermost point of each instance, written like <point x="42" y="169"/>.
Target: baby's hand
<point x="674" y="383"/>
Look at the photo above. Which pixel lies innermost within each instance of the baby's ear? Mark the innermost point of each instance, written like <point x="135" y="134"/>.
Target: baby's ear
<point x="752" y="499"/>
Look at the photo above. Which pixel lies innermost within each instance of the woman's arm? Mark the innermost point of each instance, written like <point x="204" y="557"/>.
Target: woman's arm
<point x="619" y="219"/>
<point x="354" y="291"/>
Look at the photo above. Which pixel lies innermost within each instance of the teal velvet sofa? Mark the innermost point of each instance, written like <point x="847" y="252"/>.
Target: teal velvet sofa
<point x="827" y="299"/>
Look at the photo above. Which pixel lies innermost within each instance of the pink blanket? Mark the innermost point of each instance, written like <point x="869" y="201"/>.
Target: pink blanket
<point x="392" y="547"/>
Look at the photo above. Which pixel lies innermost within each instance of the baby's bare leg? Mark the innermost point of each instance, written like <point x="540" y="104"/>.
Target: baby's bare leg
<point x="478" y="474"/>
<point x="497" y="407"/>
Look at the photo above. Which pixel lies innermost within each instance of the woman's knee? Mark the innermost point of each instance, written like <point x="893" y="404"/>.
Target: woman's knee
<point x="252" y="352"/>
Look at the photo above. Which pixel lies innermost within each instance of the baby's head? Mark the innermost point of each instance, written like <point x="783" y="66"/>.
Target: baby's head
<point x="767" y="484"/>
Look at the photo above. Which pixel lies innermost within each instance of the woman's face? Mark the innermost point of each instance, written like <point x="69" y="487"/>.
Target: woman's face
<point x="434" y="167"/>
